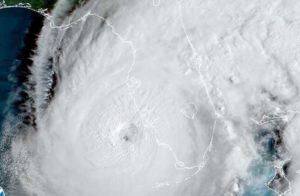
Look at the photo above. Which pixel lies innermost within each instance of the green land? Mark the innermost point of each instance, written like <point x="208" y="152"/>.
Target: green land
<point x="36" y="4"/>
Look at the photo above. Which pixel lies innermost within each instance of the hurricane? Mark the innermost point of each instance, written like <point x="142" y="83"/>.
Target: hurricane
<point x="161" y="98"/>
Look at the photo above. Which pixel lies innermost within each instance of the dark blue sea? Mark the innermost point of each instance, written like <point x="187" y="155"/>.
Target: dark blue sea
<point x="19" y="29"/>
<point x="18" y="32"/>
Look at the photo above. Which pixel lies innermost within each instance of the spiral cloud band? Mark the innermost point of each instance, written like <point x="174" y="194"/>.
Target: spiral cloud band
<point x="170" y="97"/>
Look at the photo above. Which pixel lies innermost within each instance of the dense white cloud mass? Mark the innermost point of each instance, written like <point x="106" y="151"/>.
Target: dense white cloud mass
<point x="170" y="97"/>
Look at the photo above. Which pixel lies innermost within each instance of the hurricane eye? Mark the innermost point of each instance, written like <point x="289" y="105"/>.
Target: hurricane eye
<point x="129" y="133"/>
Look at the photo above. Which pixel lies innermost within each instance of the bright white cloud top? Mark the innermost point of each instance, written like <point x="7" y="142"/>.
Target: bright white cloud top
<point x="165" y="98"/>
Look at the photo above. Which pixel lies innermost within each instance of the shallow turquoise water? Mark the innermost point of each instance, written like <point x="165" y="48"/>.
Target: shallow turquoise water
<point x="260" y="174"/>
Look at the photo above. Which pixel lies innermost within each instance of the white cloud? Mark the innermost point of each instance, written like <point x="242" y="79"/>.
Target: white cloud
<point x="116" y="125"/>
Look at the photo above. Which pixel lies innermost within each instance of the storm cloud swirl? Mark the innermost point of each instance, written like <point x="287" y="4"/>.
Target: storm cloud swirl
<point x="164" y="98"/>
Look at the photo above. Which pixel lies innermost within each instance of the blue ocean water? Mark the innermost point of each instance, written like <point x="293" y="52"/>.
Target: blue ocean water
<point x="2" y="193"/>
<point x="19" y="28"/>
<point x="14" y="26"/>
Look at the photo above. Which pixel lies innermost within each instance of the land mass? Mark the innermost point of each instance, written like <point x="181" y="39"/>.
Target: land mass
<point x="37" y="4"/>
